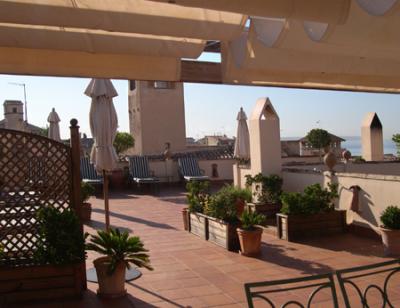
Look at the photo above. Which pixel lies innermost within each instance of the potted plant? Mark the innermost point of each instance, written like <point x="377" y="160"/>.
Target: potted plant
<point x="193" y="217"/>
<point x="87" y="190"/>
<point x="249" y="234"/>
<point x="310" y="213"/>
<point x="390" y="230"/>
<point x="57" y="259"/>
<point x="266" y="193"/>
<point x="122" y="142"/>
<point x="119" y="250"/>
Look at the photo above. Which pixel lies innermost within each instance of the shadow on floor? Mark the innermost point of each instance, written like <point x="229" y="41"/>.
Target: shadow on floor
<point x="162" y="298"/>
<point x="276" y="254"/>
<point x="348" y="242"/>
<point x="136" y="220"/>
<point x="102" y="226"/>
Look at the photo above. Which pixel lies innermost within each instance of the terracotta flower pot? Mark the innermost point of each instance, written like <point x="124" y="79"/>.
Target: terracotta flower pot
<point x="185" y="216"/>
<point x="110" y="286"/>
<point x="250" y="241"/>
<point x="391" y="242"/>
<point x="117" y="179"/>
<point x="86" y="211"/>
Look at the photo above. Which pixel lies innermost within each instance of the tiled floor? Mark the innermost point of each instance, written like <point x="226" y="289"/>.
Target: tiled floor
<point x="190" y="272"/>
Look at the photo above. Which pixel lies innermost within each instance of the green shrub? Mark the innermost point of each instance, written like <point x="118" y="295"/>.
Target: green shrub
<point x="120" y="247"/>
<point x="61" y="239"/>
<point x="250" y="219"/>
<point x="269" y="188"/>
<point x="222" y="205"/>
<point x="122" y="142"/>
<point x="390" y="217"/>
<point x="198" y="195"/>
<point x="87" y="190"/>
<point x="313" y="200"/>
<point x="1" y="250"/>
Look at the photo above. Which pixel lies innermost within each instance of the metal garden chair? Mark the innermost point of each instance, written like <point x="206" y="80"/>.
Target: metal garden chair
<point x="358" y="279"/>
<point x="261" y="290"/>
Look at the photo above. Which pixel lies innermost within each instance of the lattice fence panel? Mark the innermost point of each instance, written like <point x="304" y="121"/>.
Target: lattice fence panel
<point x="35" y="172"/>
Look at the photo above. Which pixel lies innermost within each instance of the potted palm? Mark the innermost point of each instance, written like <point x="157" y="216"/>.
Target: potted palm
<point x="119" y="251"/>
<point x="87" y="190"/>
<point x="249" y="234"/>
<point x="390" y="230"/>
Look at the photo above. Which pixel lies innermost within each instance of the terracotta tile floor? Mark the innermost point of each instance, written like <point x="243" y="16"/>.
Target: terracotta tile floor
<point x="190" y="272"/>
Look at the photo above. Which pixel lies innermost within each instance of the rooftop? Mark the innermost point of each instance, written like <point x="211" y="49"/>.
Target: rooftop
<point x="191" y="272"/>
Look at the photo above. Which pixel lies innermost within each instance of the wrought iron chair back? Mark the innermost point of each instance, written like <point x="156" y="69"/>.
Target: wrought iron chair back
<point x="348" y="277"/>
<point x="317" y="282"/>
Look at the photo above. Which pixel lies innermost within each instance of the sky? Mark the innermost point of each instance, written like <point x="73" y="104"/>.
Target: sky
<point x="212" y="109"/>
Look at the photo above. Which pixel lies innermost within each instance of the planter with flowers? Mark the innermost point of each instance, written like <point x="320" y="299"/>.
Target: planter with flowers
<point x="390" y="230"/>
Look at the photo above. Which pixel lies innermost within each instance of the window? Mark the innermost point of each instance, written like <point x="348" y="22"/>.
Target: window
<point x="14" y="110"/>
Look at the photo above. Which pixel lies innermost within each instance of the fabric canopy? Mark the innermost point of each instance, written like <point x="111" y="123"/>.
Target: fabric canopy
<point x="130" y="16"/>
<point x="54" y="127"/>
<point x="242" y="142"/>
<point x="70" y="39"/>
<point x="334" y="11"/>
<point x="103" y="124"/>
<point x="341" y="44"/>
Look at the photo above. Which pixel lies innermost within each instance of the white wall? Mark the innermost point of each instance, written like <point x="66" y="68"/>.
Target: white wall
<point x="377" y="192"/>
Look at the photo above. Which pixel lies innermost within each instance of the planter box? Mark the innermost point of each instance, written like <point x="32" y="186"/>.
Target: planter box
<point x="46" y="282"/>
<point x="198" y="225"/>
<point x="223" y="234"/>
<point x="268" y="209"/>
<point x="295" y="227"/>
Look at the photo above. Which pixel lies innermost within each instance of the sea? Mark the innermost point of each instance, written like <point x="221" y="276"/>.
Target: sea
<point x="353" y="144"/>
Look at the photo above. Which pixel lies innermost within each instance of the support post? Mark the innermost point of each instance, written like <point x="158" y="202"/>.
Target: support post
<point x="75" y="167"/>
<point x="76" y="194"/>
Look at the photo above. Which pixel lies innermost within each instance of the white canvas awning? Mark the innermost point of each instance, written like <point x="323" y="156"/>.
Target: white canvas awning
<point x="130" y="16"/>
<point x="332" y="11"/>
<point x="341" y="44"/>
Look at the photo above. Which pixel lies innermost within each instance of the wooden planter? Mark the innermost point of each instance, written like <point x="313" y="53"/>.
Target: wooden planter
<point x="198" y="225"/>
<point x="295" y="227"/>
<point x="223" y="234"/>
<point x="46" y="282"/>
<point x="268" y="209"/>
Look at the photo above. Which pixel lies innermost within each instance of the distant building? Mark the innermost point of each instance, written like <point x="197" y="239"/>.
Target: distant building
<point x="14" y="118"/>
<point x="216" y="140"/>
<point x="301" y="147"/>
<point x="190" y="141"/>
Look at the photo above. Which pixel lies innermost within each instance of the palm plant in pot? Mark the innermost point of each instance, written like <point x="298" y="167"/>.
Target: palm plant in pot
<point x="390" y="230"/>
<point x="249" y="234"/>
<point x="119" y="251"/>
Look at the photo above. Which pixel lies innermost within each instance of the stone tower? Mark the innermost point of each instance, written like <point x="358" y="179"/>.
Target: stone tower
<point x="372" y="138"/>
<point x="14" y="115"/>
<point x="157" y="116"/>
<point x="265" y="139"/>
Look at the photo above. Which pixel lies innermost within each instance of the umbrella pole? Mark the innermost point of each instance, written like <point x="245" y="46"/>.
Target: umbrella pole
<point x="106" y="208"/>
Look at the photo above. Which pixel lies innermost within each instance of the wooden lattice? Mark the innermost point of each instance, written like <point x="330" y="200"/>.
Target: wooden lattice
<point x="34" y="172"/>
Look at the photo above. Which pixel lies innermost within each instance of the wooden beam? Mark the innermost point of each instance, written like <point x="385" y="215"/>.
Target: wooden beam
<point x="202" y="72"/>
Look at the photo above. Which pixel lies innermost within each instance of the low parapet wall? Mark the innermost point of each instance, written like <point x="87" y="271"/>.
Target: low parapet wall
<point x="376" y="192"/>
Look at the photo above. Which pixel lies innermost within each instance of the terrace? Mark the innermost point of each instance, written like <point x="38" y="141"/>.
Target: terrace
<point x="191" y="272"/>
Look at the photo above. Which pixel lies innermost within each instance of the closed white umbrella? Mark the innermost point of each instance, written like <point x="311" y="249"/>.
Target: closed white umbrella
<point x="103" y="125"/>
<point x="242" y="142"/>
<point x="54" y="127"/>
